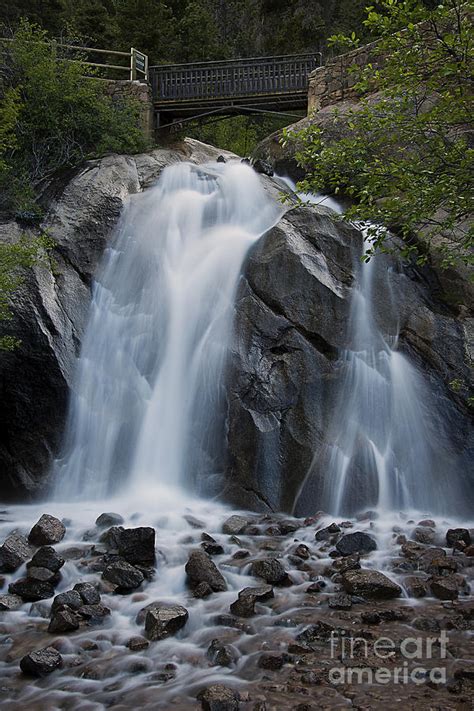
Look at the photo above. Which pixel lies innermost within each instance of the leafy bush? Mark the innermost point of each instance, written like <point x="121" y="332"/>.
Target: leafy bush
<point x="55" y="117"/>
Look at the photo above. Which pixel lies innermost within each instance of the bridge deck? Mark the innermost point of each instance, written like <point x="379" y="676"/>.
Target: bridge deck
<point x="264" y="82"/>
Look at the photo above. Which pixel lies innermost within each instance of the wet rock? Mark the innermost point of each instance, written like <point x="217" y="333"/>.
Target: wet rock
<point x="64" y="620"/>
<point x="10" y="602"/>
<point x="40" y="609"/>
<point x="220" y="159"/>
<point x="427" y="557"/>
<point x="427" y="522"/>
<point x="357" y="542"/>
<point x="367" y="516"/>
<point x="415" y="586"/>
<point x="110" y="538"/>
<point x="201" y="569"/>
<point x="164" y="620"/>
<point x="288" y="526"/>
<point x="302" y="552"/>
<point x="261" y="166"/>
<point x="316" y="587"/>
<point x="109" y="519"/>
<point x="94" y="613"/>
<point x="442" y="566"/>
<point x="325" y="534"/>
<point x="369" y="583"/>
<point x="14" y="552"/>
<point x="317" y="632"/>
<point x="137" y="644"/>
<point x="193" y="521"/>
<point x="137" y="545"/>
<point x="457" y="535"/>
<point x="212" y="548"/>
<point x="426" y="624"/>
<point x="424" y="534"/>
<point x="42" y="662"/>
<point x="46" y="531"/>
<point x="444" y="588"/>
<point x="220" y="654"/>
<point x="202" y="590"/>
<point x="340" y="565"/>
<point x="234" y="525"/>
<point x="69" y="598"/>
<point x="412" y="550"/>
<point x="340" y="602"/>
<point x="469" y="551"/>
<point x="47" y="557"/>
<point x="240" y="555"/>
<point x="124" y="575"/>
<point x="273" y="662"/>
<point x="219" y="698"/>
<point x="88" y="592"/>
<point x="244" y="606"/>
<point x="43" y="574"/>
<point x="371" y="618"/>
<point x="31" y="590"/>
<point x="271" y="570"/>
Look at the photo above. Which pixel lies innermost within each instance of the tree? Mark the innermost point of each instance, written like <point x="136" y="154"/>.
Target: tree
<point x="406" y="160"/>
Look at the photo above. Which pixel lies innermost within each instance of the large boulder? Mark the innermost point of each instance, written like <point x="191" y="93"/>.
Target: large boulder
<point x="46" y="531"/>
<point x="42" y="662"/>
<point x="162" y="620"/>
<point x="370" y="584"/>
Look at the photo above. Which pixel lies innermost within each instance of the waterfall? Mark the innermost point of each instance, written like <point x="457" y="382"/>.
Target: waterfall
<point x="386" y="446"/>
<point x="146" y="405"/>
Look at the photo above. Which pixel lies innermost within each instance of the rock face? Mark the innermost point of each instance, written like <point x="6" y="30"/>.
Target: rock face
<point x="50" y="310"/>
<point x="291" y="326"/>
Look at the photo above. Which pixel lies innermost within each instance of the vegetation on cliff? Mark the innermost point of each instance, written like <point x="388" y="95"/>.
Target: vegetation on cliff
<point x="407" y="159"/>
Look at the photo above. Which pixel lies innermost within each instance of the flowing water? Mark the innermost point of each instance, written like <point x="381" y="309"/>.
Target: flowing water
<point x="143" y="425"/>
<point x="146" y="404"/>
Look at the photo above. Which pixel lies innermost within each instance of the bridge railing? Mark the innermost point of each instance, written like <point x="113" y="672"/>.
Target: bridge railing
<point x="134" y="64"/>
<point x="233" y="78"/>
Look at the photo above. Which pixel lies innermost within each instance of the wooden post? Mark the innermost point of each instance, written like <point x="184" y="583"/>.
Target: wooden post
<point x="133" y="68"/>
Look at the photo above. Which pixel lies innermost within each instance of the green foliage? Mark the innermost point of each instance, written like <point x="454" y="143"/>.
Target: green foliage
<point x="54" y="117"/>
<point x="406" y="158"/>
<point x="14" y="259"/>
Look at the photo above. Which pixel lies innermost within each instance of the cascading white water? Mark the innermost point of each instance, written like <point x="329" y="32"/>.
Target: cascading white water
<point x="383" y="449"/>
<point x="146" y="404"/>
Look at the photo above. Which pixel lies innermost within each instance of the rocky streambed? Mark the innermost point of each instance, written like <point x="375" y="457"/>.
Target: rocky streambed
<point x="189" y="605"/>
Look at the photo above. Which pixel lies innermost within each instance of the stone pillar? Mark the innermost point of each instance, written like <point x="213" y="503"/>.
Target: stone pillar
<point x="141" y="92"/>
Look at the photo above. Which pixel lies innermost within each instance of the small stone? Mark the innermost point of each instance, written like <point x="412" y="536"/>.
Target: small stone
<point x="424" y="534"/>
<point x="46" y="531"/>
<point x="340" y="602"/>
<point x="64" y="620"/>
<point x="455" y="535"/>
<point x="137" y="644"/>
<point x="42" y="662"/>
<point x="302" y="552"/>
<point x="137" y="545"/>
<point x="94" y="613"/>
<point x="426" y="624"/>
<point x="43" y="574"/>
<point x="371" y="618"/>
<point x="273" y="661"/>
<point x="240" y="555"/>
<point x="14" y="552"/>
<point x="288" y="526"/>
<point x="325" y="534"/>
<point x="244" y="606"/>
<point x="201" y="569"/>
<point x="444" y="588"/>
<point x="234" y="525"/>
<point x="124" y="575"/>
<point x="212" y="548"/>
<point x="357" y="542"/>
<point x="319" y="631"/>
<point x="316" y="587"/>
<point x="46" y="557"/>
<point x="164" y="620"/>
<point x="202" y="590"/>
<point x="88" y="592"/>
<point x="220" y="159"/>
<point x="219" y="698"/>
<point x="261" y="166"/>
<point x="71" y="598"/>
<point x="219" y="654"/>
<point x="193" y="521"/>
<point x="427" y="522"/>
<point x="109" y="519"/>
<point x="349" y="562"/>
<point x="9" y="603"/>
<point x="415" y="586"/>
<point x="271" y="570"/>
<point x="369" y="583"/>
<point x="31" y="590"/>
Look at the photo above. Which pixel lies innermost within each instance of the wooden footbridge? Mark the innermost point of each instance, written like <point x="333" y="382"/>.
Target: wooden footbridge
<point x="274" y="84"/>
